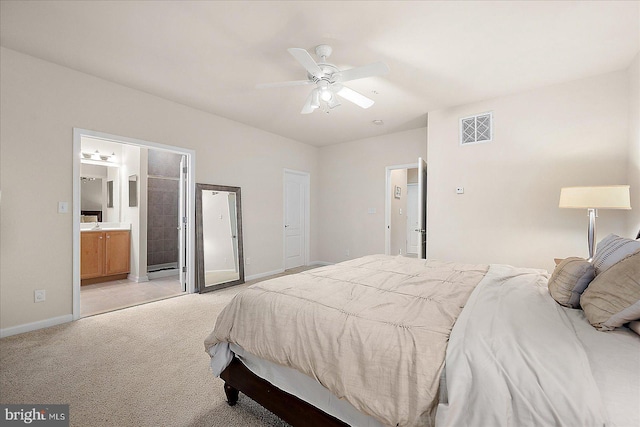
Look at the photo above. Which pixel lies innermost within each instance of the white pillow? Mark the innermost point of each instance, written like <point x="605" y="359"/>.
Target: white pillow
<point x="613" y="249"/>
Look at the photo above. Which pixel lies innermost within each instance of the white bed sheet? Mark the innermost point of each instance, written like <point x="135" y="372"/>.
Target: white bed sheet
<point x="517" y="358"/>
<point x="615" y="364"/>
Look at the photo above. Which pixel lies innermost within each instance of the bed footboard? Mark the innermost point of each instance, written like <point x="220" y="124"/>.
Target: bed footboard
<point x="288" y="407"/>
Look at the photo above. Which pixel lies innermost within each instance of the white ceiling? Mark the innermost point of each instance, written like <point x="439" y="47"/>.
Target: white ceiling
<point x="211" y="54"/>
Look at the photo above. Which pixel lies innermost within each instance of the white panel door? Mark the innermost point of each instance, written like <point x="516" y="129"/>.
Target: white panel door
<point x="422" y="208"/>
<point x="294" y="219"/>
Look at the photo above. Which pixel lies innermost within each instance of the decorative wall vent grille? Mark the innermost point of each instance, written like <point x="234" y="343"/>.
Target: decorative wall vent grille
<point x="478" y="128"/>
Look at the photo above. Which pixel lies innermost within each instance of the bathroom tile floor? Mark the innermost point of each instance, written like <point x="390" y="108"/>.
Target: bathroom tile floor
<point x="108" y="296"/>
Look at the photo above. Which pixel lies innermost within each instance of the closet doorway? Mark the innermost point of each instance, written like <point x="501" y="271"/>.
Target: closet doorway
<point x="140" y="198"/>
<point x="405" y="216"/>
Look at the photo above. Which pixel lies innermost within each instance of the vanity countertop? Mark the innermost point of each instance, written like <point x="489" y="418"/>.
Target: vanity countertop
<point x="104" y="226"/>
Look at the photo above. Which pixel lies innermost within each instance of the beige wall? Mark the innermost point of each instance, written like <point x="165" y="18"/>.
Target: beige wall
<point x="569" y="134"/>
<point x="40" y="105"/>
<point x="352" y="180"/>
<point x="634" y="146"/>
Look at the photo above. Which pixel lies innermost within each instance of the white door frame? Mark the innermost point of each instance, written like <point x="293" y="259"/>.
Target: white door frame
<point x="307" y="217"/>
<point x="190" y="214"/>
<point x="387" y="203"/>
<point x="422" y="207"/>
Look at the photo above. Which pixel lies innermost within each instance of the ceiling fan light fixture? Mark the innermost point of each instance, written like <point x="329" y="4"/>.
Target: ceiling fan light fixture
<point x="333" y="102"/>
<point x="326" y="95"/>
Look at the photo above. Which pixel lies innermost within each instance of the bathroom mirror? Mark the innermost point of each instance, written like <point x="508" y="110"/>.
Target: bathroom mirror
<point x="99" y="193"/>
<point x="219" y="258"/>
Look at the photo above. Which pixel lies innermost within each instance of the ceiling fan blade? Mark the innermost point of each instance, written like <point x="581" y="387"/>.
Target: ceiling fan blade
<point x="283" y="84"/>
<point x="303" y="57"/>
<point x="371" y="70"/>
<point x="353" y="96"/>
<point x="312" y="102"/>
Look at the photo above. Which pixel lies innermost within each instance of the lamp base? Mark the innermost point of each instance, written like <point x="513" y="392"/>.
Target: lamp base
<point x="593" y="213"/>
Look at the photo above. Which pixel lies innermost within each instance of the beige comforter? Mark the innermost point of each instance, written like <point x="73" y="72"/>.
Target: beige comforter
<point x="373" y="330"/>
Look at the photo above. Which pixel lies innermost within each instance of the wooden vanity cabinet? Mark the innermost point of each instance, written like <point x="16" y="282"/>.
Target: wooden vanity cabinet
<point x="91" y="254"/>
<point x="104" y="255"/>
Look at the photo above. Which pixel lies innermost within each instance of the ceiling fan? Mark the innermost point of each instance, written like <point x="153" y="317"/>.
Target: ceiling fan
<point x="328" y="79"/>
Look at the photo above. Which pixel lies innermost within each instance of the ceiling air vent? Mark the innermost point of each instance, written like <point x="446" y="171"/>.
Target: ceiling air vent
<point x="478" y="128"/>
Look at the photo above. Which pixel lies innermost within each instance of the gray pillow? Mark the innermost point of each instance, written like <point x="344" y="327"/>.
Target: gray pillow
<point x="613" y="249"/>
<point x="613" y="297"/>
<point x="569" y="279"/>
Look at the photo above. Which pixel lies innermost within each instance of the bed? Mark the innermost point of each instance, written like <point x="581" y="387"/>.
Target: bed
<point x="392" y="341"/>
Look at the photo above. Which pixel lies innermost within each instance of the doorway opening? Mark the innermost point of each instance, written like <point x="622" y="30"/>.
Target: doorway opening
<point x="132" y="207"/>
<point x="405" y="213"/>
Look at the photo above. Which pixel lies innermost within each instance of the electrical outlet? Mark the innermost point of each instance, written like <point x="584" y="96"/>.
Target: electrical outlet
<point x="39" y="295"/>
<point x="346" y="252"/>
<point x="247" y="260"/>
<point x="459" y="190"/>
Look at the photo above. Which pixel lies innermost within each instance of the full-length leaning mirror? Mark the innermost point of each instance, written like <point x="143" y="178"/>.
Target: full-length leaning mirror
<point x="219" y="260"/>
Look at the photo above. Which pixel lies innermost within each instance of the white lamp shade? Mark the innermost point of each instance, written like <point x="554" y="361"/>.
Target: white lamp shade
<point x="601" y="197"/>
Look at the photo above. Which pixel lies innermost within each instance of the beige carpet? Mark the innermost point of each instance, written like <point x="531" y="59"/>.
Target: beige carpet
<point x="141" y="366"/>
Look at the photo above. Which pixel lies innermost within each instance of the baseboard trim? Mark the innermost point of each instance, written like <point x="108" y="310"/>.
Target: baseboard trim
<point x="138" y="279"/>
<point x="33" y="326"/>
<point x="261" y="275"/>
<point x="282" y="270"/>
<point x="322" y="263"/>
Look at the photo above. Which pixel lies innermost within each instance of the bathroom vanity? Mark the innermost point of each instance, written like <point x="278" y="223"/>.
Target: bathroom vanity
<point x="104" y="254"/>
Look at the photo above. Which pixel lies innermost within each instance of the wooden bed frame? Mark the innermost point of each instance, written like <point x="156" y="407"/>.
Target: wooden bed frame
<point x="288" y="407"/>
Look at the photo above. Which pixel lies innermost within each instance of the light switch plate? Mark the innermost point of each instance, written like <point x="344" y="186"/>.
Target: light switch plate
<point x="63" y="207"/>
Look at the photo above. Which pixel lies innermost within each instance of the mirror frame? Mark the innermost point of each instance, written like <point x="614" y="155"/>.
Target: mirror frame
<point x="133" y="191"/>
<point x="200" y="285"/>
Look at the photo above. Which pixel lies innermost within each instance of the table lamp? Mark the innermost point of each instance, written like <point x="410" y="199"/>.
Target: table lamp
<point x="592" y="199"/>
